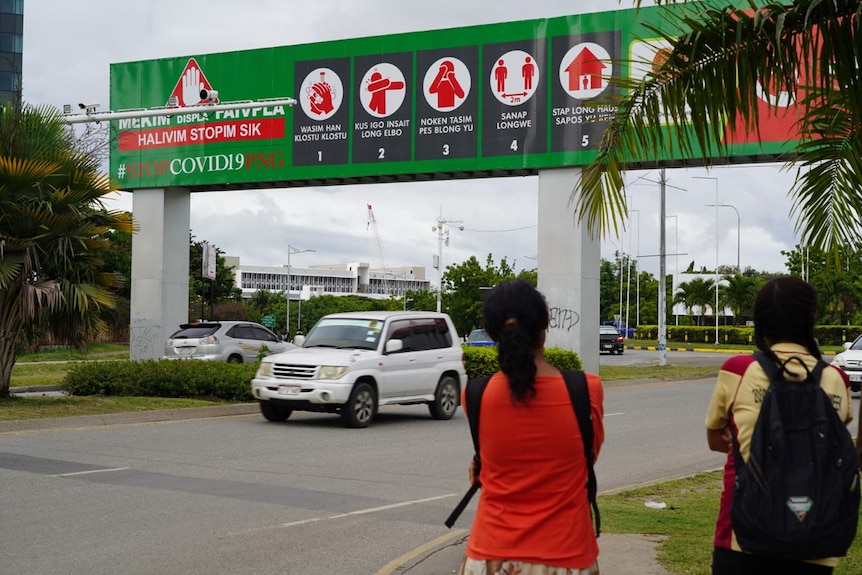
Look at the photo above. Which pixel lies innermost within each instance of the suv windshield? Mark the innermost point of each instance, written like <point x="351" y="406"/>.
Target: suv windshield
<point x="344" y="332"/>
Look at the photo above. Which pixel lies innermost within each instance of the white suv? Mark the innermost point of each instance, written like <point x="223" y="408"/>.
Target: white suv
<point x="351" y="363"/>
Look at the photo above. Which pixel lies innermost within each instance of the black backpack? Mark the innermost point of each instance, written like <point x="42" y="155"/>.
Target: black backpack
<point x="579" y="394"/>
<point x="798" y="495"/>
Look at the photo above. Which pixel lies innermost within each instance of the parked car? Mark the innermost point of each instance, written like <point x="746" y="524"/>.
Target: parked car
<point x="610" y="340"/>
<point x="230" y="341"/>
<point x="352" y="363"/>
<point x="479" y="338"/>
<point x="850" y="360"/>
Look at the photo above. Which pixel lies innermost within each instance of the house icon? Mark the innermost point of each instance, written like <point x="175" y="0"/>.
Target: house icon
<point x="585" y="72"/>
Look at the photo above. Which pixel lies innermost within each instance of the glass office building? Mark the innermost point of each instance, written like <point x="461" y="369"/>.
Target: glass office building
<point x="11" y="48"/>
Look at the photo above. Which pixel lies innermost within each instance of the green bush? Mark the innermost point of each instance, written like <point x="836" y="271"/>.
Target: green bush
<point x="742" y="335"/>
<point x="481" y="361"/>
<point x="164" y="378"/>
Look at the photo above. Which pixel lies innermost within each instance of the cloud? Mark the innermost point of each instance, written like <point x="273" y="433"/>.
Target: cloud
<point x="67" y="56"/>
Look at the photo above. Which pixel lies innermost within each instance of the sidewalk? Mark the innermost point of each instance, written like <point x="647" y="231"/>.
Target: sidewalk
<point x="618" y="554"/>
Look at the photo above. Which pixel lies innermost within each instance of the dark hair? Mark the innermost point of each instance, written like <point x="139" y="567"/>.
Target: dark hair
<point x="515" y="315"/>
<point x="785" y="310"/>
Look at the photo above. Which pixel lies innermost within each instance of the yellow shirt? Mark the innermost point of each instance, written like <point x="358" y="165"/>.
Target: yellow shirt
<point x="740" y="388"/>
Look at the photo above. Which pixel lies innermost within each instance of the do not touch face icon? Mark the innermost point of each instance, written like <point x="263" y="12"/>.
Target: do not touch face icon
<point x="447" y="84"/>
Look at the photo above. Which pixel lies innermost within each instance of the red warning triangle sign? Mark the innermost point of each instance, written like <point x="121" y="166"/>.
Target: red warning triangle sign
<point x="189" y="86"/>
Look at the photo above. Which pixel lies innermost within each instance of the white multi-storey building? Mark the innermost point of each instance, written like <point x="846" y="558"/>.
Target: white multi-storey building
<point x="337" y="279"/>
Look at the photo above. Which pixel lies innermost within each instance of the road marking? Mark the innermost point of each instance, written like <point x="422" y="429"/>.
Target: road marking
<point x="613" y="414"/>
<point x="393" y="506"/>
<point x="341" y="515"/>
<point x="396" y="564"/>
<point x="92" y="471"/>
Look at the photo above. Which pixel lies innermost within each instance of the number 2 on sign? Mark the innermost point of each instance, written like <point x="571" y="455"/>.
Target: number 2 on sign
<point x="381" y="154"/>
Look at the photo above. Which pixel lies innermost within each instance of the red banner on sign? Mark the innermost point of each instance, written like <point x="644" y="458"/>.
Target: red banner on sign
<point x="193" y="135"/>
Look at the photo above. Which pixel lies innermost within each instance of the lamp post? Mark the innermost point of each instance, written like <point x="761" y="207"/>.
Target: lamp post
<point x="442" y="230"/>
<point x="738" y="227"/>
<point x="290" y="250"/>
<point x="676" y="259"/>
<point x="715" y="179"/>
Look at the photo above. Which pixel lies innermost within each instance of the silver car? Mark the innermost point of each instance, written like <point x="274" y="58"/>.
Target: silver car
<point x="230" y="341"/>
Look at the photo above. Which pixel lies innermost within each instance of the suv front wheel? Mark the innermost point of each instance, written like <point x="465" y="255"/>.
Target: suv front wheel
<point x="446" y="398"/>
<point x="360" y="407"/>
<point x="272" y="412"/>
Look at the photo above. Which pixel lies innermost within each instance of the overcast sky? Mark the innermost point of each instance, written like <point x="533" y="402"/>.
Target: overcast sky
<point x="68" y="48"/>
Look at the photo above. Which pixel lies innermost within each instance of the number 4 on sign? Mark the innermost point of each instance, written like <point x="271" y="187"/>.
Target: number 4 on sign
<point x="514" y="146"/>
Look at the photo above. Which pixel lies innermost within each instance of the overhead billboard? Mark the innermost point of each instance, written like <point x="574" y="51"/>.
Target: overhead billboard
<point x="498" y="99"/>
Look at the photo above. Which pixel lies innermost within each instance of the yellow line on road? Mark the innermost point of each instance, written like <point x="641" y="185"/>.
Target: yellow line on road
<point x="395" y="564"/>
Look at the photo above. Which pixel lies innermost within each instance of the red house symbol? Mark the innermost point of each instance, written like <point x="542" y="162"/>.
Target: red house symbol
<point x="585" y="72"/>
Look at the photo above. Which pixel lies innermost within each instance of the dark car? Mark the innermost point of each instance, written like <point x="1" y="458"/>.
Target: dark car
<point x="479" y="338"/>
<point x="610" y="340"/>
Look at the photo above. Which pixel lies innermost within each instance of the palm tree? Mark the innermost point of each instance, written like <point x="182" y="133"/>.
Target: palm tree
<point x="697" y="293"/>
<point x="739" y="294"/>
<point x="708" y="88"/>
<point x="53" y="228"/>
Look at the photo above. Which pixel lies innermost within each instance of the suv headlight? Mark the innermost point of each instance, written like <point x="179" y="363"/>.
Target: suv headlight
<point x="264" y="369"/>
<point x="838" y="360"/>
<point x="331" y="372"/>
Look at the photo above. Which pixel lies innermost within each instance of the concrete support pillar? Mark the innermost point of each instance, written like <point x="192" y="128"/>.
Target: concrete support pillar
<point x="160" y="268"/>
<point x="569" y="262"/>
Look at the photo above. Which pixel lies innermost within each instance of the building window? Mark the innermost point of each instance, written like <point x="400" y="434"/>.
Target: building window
<point x="11" y="43"/>
<point x="12" y="6"/>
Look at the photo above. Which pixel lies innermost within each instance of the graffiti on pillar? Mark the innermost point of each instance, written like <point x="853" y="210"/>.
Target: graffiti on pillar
<point x="145" y="335"/>
<point x="563" y="319"/>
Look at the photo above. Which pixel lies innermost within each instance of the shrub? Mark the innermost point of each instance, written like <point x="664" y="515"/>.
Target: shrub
<point x="481" y="361"/>
<point x="163" y="378"/>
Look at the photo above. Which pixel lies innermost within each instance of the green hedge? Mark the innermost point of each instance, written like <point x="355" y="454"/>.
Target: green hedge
<point x="483" y="360"/>
<point x="825" y="334"/>
<point x="227" y="381"/>
<point x="164" y="378"/>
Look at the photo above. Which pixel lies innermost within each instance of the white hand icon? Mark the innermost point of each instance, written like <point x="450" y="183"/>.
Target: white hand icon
<point x="192" y="87"/>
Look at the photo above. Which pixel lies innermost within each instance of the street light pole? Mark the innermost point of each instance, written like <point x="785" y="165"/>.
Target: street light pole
<point x="738" y="227"/>
<point x="290" y="250"/>
<point x="715" y="179"/>
<point x="439" y="228"/>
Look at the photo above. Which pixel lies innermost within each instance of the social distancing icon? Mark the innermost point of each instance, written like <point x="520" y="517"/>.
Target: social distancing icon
<point x="514" y="77"/>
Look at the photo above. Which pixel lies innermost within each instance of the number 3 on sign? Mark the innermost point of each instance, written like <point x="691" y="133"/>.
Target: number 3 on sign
<point x="445" y="149"/>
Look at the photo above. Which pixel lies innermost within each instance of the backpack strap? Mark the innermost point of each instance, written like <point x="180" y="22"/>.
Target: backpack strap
<point x="473" y="397"/>
<point x="579" y="394"/>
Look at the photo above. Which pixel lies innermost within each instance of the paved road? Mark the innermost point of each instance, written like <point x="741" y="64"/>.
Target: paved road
<point x="241" y="496"/>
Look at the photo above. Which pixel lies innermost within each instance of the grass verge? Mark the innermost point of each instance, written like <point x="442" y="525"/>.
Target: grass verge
<point x="687" y="522"/>
<point x="36" y="407"/>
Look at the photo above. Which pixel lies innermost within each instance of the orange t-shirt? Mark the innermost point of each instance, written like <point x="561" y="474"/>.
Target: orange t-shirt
<point x="533" y="505"/>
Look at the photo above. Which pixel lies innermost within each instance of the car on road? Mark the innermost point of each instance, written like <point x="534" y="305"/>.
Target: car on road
<point x="352" y="363"/>
<point x="850" y="361"/>
<point x="479" y="338"/>
<point x="610" y="340"/>
<point x="230" y="341"/>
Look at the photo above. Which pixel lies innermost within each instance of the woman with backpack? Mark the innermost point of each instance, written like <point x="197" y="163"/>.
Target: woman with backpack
<point x="758" y="469"/>
<point x="533" y="515"/>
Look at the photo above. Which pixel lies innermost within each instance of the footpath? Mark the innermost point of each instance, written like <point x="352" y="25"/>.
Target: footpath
<point x="619" y="554"/>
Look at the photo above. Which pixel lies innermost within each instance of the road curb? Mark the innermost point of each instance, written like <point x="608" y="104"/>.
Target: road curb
<point x="127" y="417"/>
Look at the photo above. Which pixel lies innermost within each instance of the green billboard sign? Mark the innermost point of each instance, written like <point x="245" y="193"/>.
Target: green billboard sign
<point x="499" y="99"/>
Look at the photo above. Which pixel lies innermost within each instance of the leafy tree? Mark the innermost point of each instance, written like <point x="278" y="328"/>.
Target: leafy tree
<point x="52" y="226"/>
<point x="421" y="300"/>
<point x="707" y="86"/>
<point x="463" y="287"/>
<point x="203" y="291"/>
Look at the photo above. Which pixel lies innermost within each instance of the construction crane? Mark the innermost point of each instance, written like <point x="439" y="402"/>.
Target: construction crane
<point x="372" y="225"/>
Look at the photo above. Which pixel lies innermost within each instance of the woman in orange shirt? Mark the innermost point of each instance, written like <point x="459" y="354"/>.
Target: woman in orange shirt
<point x="533" y="515"/>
